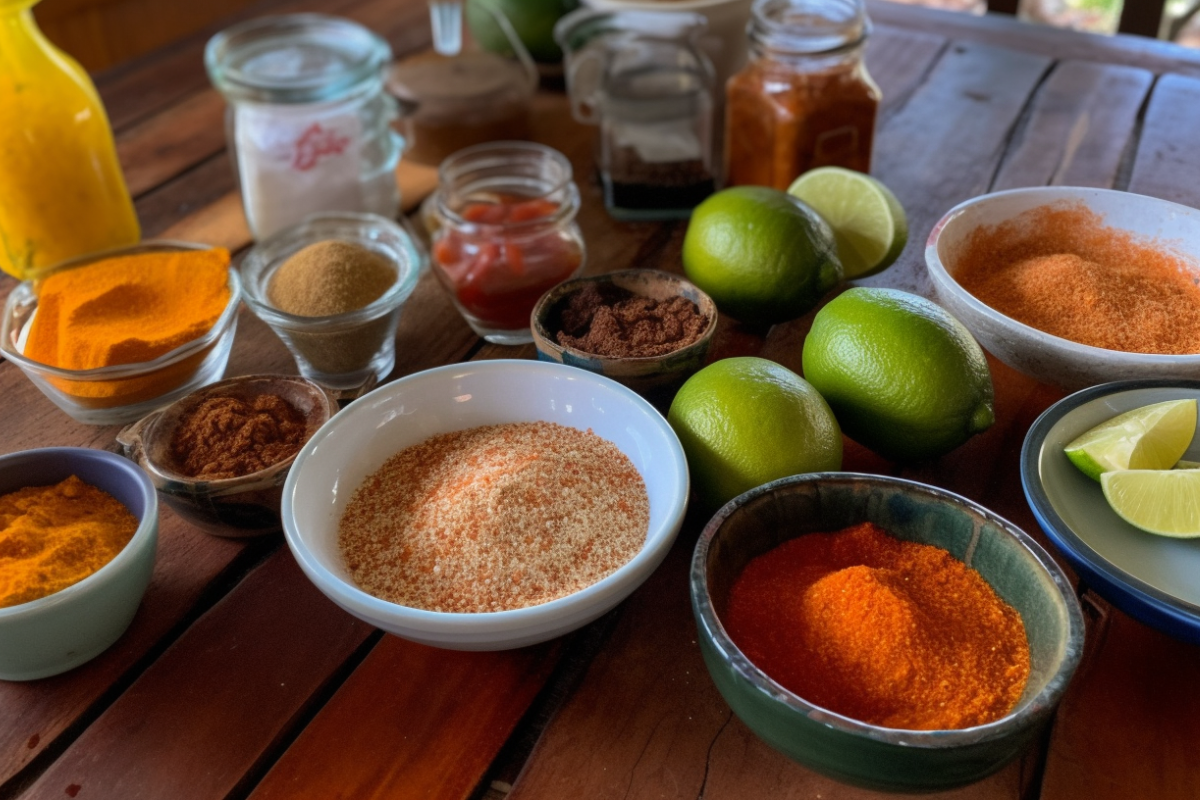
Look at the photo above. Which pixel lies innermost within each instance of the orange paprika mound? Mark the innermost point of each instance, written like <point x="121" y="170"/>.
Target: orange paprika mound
<point x="128" y="309"/>
<point x="892" y="633"/>
<point x="1060" y="269"/>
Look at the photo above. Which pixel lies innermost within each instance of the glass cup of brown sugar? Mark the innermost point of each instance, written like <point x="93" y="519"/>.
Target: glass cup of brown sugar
<point x="307" y="283"/>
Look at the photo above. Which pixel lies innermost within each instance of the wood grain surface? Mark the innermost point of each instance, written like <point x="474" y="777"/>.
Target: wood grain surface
<point x="237" y="679"/>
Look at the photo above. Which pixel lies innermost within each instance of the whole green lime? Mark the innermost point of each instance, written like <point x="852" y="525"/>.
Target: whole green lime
<point x="761" y="254"/>
<point x="532" y="20"/>
<point x="903" y="376"/>
<point x="746" y="421"/>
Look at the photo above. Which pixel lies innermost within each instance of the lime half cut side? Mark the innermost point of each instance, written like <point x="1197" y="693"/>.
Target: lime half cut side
<point x="1164" y="502"/>
<point x="1150" y="437"/>
<point x="868" y="221"/>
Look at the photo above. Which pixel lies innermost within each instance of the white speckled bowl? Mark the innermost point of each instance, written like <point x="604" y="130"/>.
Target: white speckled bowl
<point x="1040" y="355"/>
<point x="356" y="442"/>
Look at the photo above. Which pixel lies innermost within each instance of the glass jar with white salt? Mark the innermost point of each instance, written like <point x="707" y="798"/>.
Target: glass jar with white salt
<point x="308" y="122"/>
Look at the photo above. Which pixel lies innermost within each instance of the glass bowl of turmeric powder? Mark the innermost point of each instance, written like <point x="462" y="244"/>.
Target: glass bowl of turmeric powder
<point x="923" y="642"/>
<point x="1074" y="286"/>
<point x="111" y="336"/>
<point x="72" y="596"/>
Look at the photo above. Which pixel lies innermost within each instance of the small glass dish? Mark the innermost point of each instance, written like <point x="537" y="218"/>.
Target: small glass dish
<point x="242" y="506"/>
<point x="124" y="392"/>
<point x="346" y="353"/>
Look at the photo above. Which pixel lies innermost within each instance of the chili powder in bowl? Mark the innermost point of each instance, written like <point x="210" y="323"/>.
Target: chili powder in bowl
<point x="418" y="431"/>
<point x="1074" y="286"/>
<point x="646" y="329"/>
<point x="783" y="514"/>
<point x="219" y="457"/>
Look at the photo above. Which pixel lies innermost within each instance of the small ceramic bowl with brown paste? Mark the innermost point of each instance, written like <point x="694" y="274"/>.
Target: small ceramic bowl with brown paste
<point x="219" y="456"/>
<point x="646" y="329"/>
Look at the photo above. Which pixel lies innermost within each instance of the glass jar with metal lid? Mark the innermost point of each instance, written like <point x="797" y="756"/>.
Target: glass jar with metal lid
<point x="805" y="99"/>
<point x="308" y="119"/>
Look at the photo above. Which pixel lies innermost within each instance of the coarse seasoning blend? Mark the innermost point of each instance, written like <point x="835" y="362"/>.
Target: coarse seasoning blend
<point x="495" y="518"/>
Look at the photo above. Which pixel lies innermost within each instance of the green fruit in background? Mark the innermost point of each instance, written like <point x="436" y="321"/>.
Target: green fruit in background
<point x="903" y="376"/>
<point x="761" y="254"/>
<point x="746" y="421"/>
<point x="533" y="21"/>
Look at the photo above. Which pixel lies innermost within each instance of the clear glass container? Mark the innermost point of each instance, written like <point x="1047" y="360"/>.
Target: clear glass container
<point x="805" y="99"/>
<point x="308" y="121"/>
<point x="346" y="353"/>
<point x="642" y="78"/>
<point x="62" y="193"/>
<point x="502" y="222"/>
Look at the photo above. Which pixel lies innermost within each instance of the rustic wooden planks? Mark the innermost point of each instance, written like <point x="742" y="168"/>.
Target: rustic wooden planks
<point x="211" y="708"/>
<point x="1080" y="124"/>
<point x="1167" y="165"/>
<point x="398" y="728"/>
<point x="1129" y="724"/>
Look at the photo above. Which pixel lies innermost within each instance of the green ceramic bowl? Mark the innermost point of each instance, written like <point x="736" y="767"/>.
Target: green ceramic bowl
<point x="61" y="631"/>
<point x="845" y="749"/>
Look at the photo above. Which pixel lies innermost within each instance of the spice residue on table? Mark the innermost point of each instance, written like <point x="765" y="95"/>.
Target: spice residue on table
<point x="613" y="322"/>
<point x="495" y="518"/>
<point x="52" y="537"/>
<point x="227" y="437"/>
<point x="889" y="632"/>
<point x="1060" y="269"/>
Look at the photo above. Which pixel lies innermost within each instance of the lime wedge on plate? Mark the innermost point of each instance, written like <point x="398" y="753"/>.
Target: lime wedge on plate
<point x="1150" y="437"/>
<point x="867" y="219"/>
<point x="1166" y="502"/>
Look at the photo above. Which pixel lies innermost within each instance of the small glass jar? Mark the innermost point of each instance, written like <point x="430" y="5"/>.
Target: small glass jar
<point x="308" y="121"/>
<point x="805" y="99"/>
<point x="502" y="222"/>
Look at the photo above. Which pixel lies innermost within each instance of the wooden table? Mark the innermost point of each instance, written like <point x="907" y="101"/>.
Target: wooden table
<point x="239" y="680"/>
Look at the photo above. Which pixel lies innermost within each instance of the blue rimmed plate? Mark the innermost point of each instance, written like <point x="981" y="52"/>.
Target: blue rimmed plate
<point x="1152" y="578"/>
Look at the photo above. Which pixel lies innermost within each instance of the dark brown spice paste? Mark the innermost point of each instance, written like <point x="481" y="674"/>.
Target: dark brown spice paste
<point x="609" y="321"/>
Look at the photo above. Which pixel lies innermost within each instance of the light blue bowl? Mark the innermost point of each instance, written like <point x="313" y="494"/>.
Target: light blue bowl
<point x="56" y="633"/>
<point x="1154" y="579"/>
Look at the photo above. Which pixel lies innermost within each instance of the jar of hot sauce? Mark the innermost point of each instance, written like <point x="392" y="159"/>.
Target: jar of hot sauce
<point x="503" y="230"/>
<point x="805" y="99"/>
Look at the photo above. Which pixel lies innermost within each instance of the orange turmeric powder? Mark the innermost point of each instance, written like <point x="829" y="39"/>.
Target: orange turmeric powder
<point x="52" y="537"/>
<point x="892" y="633"/>
<point x="128" y="309"/>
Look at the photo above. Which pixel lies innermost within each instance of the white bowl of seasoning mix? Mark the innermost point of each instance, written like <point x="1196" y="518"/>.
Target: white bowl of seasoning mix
<point x="486" y="506"/>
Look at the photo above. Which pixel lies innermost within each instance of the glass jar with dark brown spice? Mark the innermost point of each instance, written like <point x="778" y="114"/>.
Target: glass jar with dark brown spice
<point x="805" y="98"/>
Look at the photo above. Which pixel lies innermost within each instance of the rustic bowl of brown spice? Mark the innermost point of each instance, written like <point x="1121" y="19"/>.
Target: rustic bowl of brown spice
<point x="487" y="505"/>
<point x="1074" y="286"/>
<point x="219" y="457"/>
<point x="646" y="329"/>
<point x="955" y="688"/>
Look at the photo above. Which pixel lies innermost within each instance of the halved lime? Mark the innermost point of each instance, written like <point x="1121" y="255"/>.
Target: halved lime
<point x="1150" y="437"/>
<point x="867" y="219"/>
<point x="1165" y="502"/>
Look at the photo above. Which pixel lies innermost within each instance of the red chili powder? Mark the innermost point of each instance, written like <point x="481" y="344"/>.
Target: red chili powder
<point x="893" y="633"/>
<point x="1059" y="269"/>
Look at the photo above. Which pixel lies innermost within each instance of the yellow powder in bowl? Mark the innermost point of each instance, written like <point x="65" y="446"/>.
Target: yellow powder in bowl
<point x="128" y="309"/>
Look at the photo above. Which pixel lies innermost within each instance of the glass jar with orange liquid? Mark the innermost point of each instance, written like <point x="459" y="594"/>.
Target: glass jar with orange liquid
<point x="62" y="193"/>
<point x="805" y="99"/>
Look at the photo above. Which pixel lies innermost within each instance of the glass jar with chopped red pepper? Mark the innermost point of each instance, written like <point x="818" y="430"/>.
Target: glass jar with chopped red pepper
<point x="504" y="232"/>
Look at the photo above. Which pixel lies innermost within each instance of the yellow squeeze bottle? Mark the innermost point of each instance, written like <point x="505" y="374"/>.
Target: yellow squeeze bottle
<point x="62" y="193"/>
